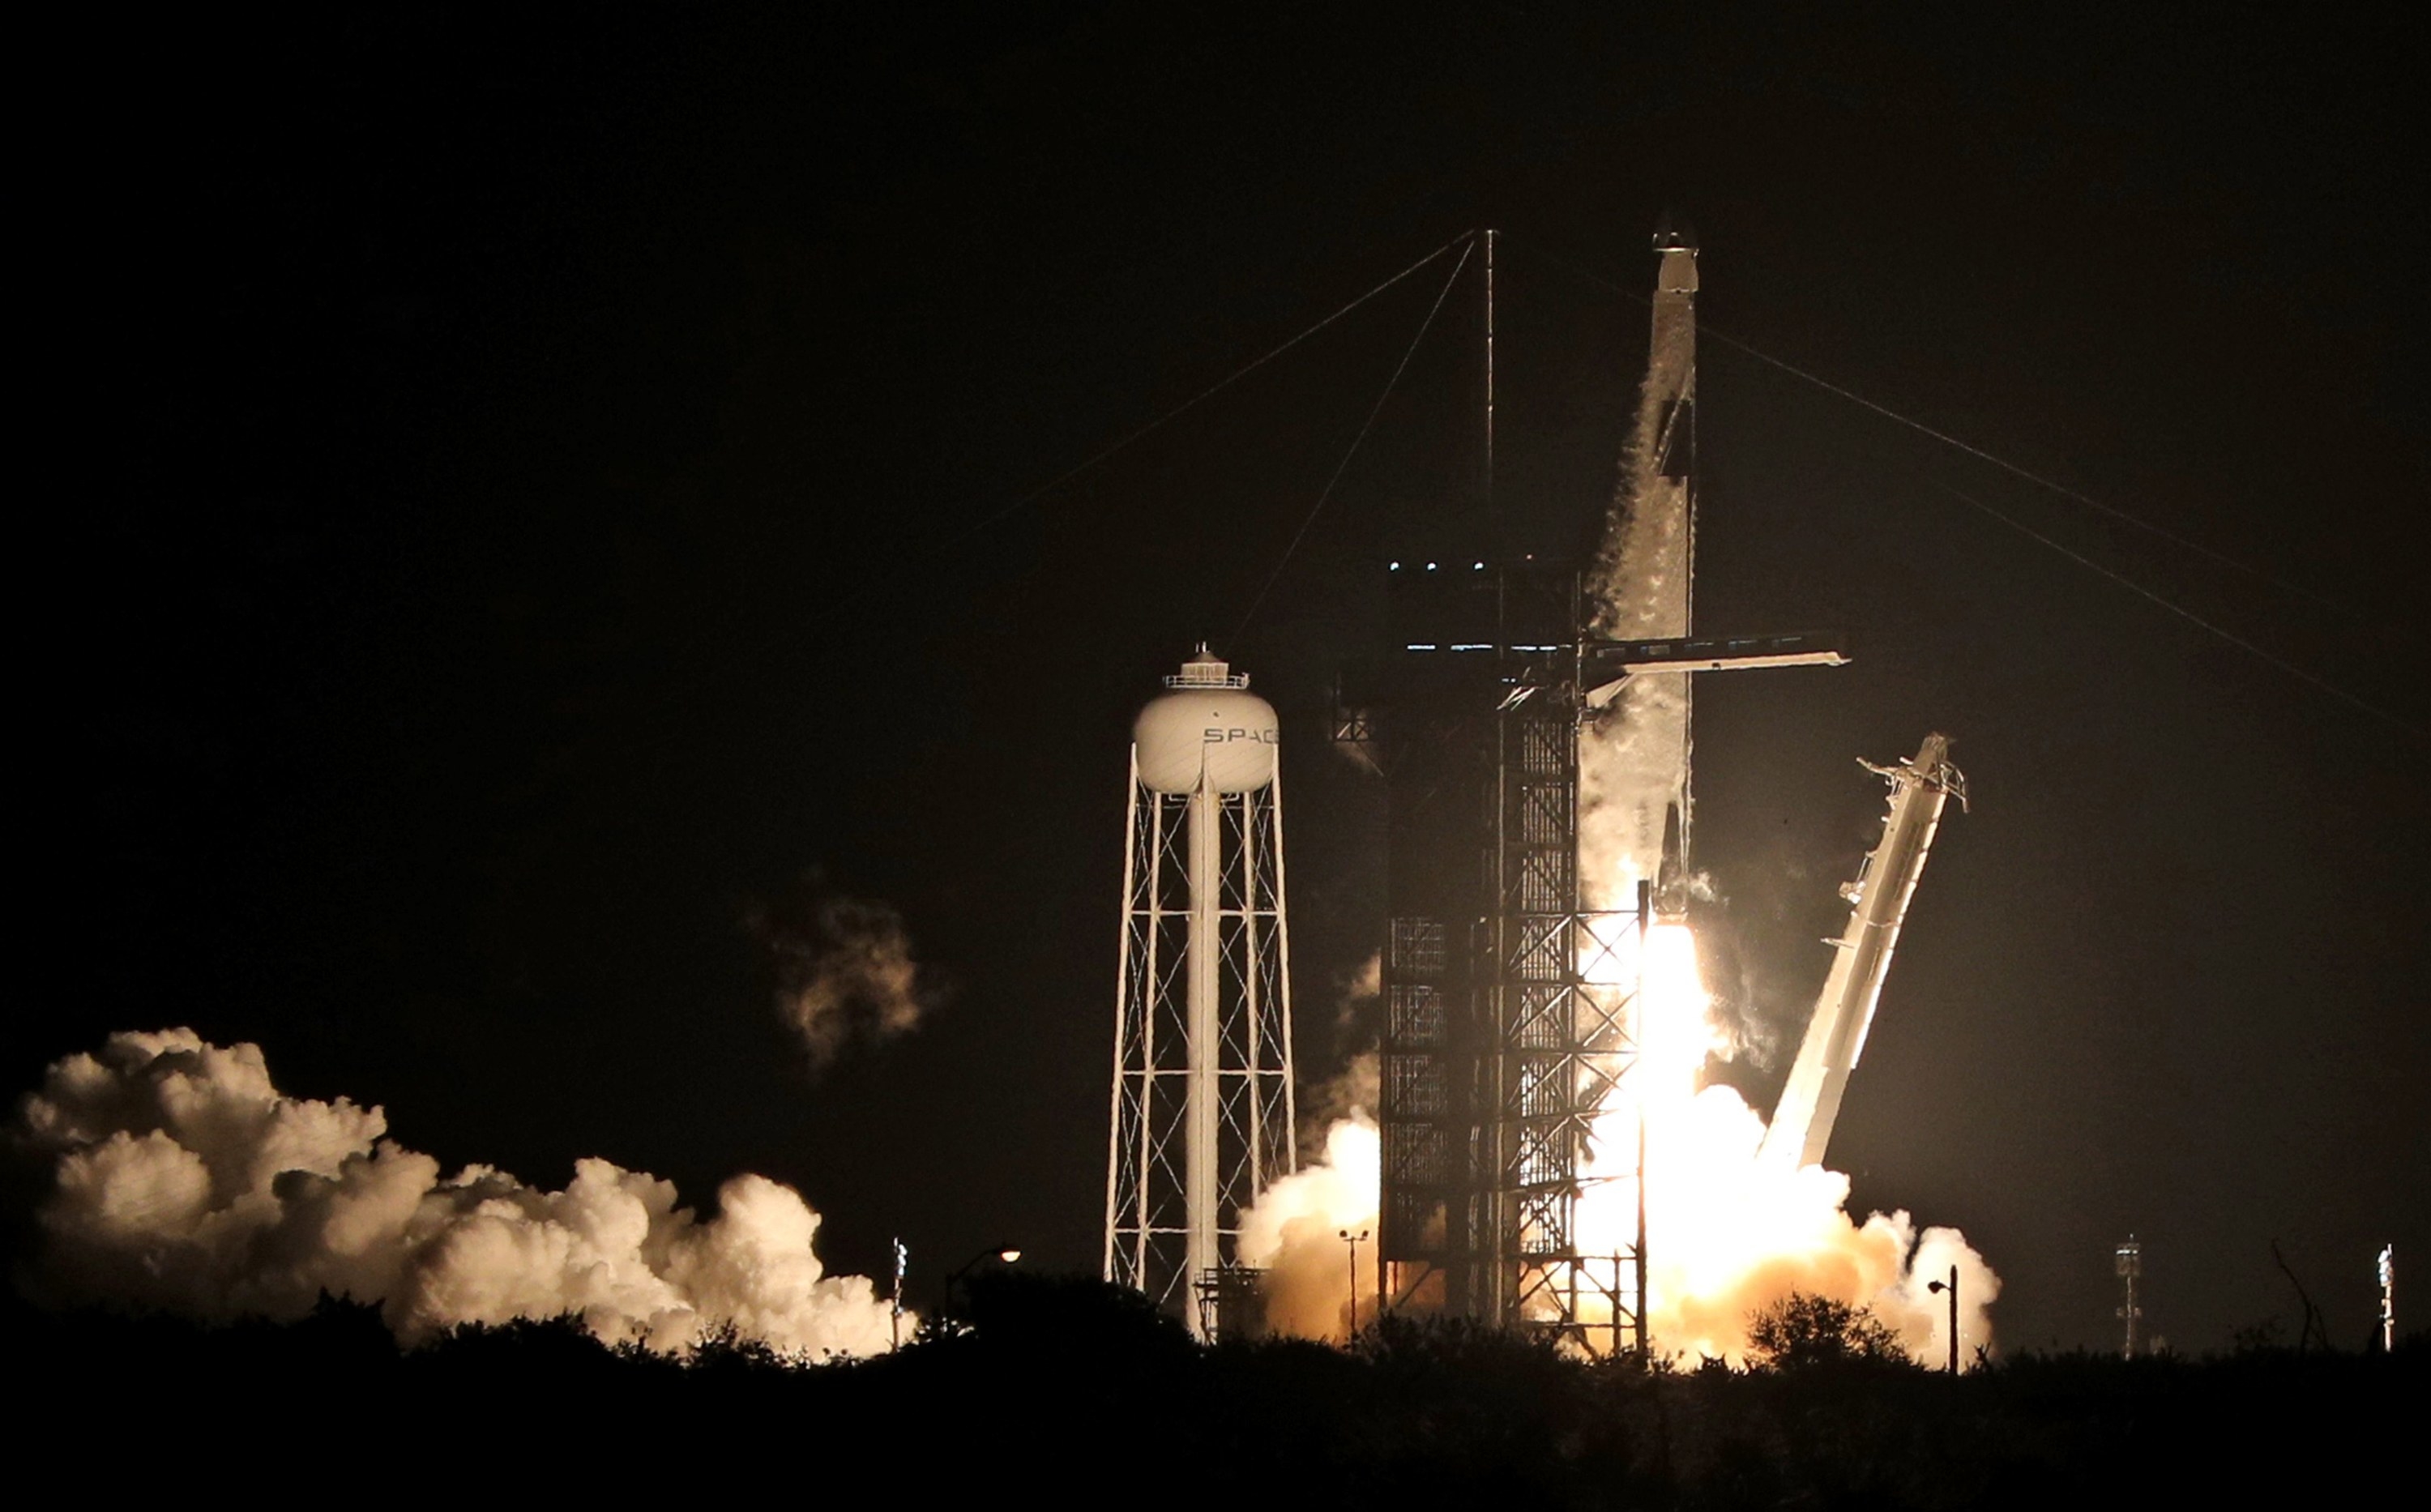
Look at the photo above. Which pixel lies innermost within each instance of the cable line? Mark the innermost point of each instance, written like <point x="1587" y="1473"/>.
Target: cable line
<point x="1211" y="391"/>
<point x="2123" y="581"/>
<point x="1375" y="410"/>
<point x="2187" y="615"/>
<point x="1025" y="500"/>
<point x="1969" y="448"/>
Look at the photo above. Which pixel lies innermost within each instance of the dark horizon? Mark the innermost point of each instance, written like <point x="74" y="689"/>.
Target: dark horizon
<point x="544" y="515"/>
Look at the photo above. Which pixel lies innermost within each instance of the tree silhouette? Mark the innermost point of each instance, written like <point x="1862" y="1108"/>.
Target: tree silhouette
<point x="1803" y="1329"/>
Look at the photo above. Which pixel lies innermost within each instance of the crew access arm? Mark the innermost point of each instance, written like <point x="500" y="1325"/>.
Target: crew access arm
<point x="1835" y="1037"/>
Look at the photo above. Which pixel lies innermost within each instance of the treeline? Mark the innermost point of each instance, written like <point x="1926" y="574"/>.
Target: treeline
<point x="1083" y="1396"/>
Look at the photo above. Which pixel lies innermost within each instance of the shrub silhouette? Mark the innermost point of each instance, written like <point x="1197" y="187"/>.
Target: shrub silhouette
<point x="1052" y="1390"/>
<point x="1803" y="1329"/>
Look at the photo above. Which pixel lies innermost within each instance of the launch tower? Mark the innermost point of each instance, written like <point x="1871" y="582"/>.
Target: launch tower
<point x="1512" y="967"/>
<point x="1202" y="1107"/>
<point x="1499" y="1043"/>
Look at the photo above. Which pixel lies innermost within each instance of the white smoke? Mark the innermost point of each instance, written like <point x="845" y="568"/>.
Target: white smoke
<point x="1629" y="758"/>
<point x="844" y="968"/>
<point x="1634" y="756"/>
<point x="1730" y="1235"/>
<point x="1294" y="1230"/>
<point x="185" y="1182"/>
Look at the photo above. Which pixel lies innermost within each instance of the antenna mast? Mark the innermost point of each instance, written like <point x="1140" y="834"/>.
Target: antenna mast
<point x="1492" y="545"/>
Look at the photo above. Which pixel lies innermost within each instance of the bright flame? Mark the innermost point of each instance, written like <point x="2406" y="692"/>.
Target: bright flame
<point x="1725" y="1234"/>
<point x="1674" y="1035"/>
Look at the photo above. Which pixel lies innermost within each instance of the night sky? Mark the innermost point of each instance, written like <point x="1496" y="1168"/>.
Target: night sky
<point x="526" y="498"/>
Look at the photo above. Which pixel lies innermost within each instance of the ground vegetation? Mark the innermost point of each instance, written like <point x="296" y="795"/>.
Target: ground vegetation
<point x="1083" y="1395"/>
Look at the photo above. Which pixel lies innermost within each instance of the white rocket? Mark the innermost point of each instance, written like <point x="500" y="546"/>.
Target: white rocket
<point x="1635" y="773"/>
<point x="1921" y="786"/>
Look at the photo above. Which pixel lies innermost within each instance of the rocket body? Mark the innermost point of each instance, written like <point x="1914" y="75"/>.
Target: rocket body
<point x="1634" y="763"/>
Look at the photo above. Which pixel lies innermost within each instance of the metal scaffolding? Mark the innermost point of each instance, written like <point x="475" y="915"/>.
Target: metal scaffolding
<point x="1507" y="1004"/>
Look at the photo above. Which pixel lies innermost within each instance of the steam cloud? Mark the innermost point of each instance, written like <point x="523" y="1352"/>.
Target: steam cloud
<point x="844" y="968"/>
<point x="1731" y="1236"/>
<point x="185" y="1182"/>
<point x="1294" y="1230"/>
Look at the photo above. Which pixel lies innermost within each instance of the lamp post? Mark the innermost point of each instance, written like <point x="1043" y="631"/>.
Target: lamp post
<point x="1355" y="1240"/>
<point x="1951" y="1287"/>
<point x="894" y="1308"/>
<point x="1002" y="1255"/>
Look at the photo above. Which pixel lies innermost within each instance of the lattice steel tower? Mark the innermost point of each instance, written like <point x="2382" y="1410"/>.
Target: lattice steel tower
<point x="1505" y="1028"/>
<point x="2128" y="1260"/>
<point x="1202" y="1108"/>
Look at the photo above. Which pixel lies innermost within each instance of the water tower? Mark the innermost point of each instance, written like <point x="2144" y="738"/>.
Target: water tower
<point x="1202" y="1114"/>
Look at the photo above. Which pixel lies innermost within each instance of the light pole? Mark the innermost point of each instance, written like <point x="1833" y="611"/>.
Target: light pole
<point x="1951" y="1287"/>
<point x="1002" y="1255"/>
<point x="895" y="1308"/>
<point x="2387" y="1297"/>
<point x="1354" y="1239"/>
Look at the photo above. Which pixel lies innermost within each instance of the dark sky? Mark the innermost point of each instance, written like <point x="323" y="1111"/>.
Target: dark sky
<point x="512" y="516"/>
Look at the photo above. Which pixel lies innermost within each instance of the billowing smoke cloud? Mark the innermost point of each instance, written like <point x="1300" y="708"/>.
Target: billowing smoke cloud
<point x="1730" y="1238"/>
<point x="1729" y="1235"/>
<point x="1294" y="1232"/>
<point x="1351" y="1097"/>
<point x="186" y="1181"/>
<point x="843" y="971"/>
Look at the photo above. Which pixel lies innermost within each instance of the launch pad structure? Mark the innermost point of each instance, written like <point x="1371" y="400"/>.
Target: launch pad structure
<point x="1502" y="1037"/>
<point x="1512" y="984"/>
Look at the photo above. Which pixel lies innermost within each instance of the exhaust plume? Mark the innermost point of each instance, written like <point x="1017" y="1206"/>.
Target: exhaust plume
<point x="1728" y="1234"/>
<point x="186" y="1181"/>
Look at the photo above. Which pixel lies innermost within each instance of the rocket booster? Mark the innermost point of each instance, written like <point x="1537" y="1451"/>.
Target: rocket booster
<point x="1638" y="776"/>
<point x="1670" y="899"/>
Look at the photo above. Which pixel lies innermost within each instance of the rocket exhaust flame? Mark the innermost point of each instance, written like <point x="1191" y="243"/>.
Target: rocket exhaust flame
<point x="186" y="1181"/>
<point x="1728" y="1234"/>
